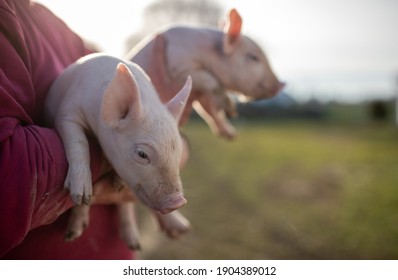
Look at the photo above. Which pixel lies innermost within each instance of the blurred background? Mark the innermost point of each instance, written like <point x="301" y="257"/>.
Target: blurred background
<point x="313" y="173"/>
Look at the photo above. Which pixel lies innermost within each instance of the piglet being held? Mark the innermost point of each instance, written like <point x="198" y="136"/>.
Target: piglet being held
<point x="115" y="101"/>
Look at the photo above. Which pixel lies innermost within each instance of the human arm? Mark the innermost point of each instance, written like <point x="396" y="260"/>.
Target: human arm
<point x="32" y="160"/>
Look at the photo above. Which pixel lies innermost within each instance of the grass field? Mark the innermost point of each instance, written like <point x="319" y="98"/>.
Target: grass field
<point x="287" y="190"/>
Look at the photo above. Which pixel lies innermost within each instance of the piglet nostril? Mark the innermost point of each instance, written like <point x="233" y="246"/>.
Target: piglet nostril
<point x="172" y="203"/>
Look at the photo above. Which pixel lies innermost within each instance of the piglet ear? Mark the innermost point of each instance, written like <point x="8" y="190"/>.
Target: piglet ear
<point x="177" y="104"/>
<point x="121" y="97"/>
<point x="232" y="30"/>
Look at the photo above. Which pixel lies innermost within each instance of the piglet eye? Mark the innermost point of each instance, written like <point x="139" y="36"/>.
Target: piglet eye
<point x="142" y="156"/>
<point x="252" y="57"/>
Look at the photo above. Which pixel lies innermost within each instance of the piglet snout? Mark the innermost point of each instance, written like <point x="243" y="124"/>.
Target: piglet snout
<point x="277" y="88"/>
<point x="281" y="86"/>
<point x="171" y="203"/>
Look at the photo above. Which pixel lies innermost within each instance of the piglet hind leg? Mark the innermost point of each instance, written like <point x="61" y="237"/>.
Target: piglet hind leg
<point x="207" y="107"/>
<point x="78" y="222"/>
<point x="174" y="224"/>
<point x="128" y="228"/>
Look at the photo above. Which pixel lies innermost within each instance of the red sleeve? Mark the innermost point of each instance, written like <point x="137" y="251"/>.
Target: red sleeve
<point x="35" y="47"/>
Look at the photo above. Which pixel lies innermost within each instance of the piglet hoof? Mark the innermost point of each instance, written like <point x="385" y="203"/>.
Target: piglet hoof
<point x="134" y="246"/>
<point x="78" y="183"/>
<point x="228" y="133"/>
<point x="78" y="222"/>
<point x="71" y="235"/>
<point x="131" y="237"/>
<point x="173" y="224"/>
<point x="78" y="199"/>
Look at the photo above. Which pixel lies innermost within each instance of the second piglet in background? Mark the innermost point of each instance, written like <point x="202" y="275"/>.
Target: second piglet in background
<point x="218" y="61"/>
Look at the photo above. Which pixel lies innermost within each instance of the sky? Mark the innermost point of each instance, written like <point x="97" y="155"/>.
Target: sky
<point x="344" y="50"/>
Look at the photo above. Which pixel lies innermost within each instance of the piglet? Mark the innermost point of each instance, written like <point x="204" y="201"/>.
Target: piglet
<point x="218" y="61"/>
<point x="115" y="101"/>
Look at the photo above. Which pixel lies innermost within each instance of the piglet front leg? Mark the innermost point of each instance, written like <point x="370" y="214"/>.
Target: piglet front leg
<point x="173" y="224"/>
<point x="78" y="180"/>
<point x="213" y="108"/>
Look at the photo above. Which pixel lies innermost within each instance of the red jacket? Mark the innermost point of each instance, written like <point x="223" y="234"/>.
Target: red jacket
<point x="35" y="46"/>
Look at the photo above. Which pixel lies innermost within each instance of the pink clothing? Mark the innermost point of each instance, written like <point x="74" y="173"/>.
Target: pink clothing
<point x="35" y="47"/>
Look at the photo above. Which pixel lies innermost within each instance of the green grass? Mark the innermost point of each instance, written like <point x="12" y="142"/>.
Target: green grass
<point x="288" y="190"/>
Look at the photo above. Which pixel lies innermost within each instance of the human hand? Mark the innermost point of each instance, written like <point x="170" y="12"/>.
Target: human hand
<point x="111" y="190"/>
